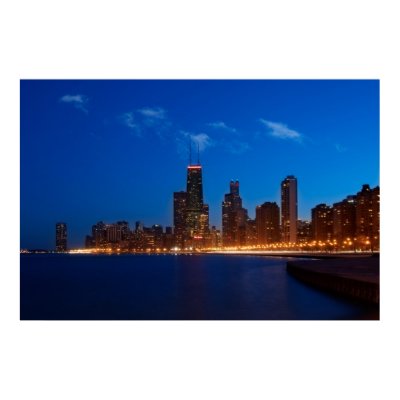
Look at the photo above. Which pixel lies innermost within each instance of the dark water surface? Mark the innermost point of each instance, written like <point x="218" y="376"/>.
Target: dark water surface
<point x="171" y="287"/>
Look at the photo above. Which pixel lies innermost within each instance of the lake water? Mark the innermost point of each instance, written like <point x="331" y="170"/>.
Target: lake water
<point x="173" y="287"/>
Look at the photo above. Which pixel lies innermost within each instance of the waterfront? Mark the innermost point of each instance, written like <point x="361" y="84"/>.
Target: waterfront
<point x="168" y="287"/>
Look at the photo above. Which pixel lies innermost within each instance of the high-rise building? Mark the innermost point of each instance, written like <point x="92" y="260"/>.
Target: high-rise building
<point x="322" y="223"/>
<point x="344" y="221"/>
<point x="251" y="232"/>
<point x="267" y="223"/>
<point x="368" y="217"/>
<point x="194" y="204"/>
<point x="234" y="217"/>
<point x="304" y="232"/>
<point x="123" y="228"/>
<point x="197" y="213"/>
<point x="180" y="200"/>
<point x="215" y="237"/>
<point x="61" y="236"/>
<point x="158" y="236"/>
<point x="289" y="209"/>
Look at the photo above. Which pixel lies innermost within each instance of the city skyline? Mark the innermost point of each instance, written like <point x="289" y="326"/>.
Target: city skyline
<point x="126" y="165"/>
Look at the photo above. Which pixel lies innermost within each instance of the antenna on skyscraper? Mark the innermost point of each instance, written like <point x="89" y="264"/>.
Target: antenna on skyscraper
<point x="198" y="154"/>
<point x="190" y="151"/>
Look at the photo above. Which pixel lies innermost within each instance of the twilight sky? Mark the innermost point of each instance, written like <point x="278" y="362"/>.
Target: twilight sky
<point x="113" y="150"/>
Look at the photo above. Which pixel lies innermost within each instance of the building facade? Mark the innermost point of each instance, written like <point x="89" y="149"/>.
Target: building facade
<point x="180" y="200"/>
<point x="344" y="222"/>
<point x="322" y="223"/>
<point x="304" y="232"/>
<point x="61" y="236"/>
<point x="197" y="213"/>
<point x="267" y="223"/>
<point x="234" y="217"/>
<point x="368" y="218"/>
<point x="289" y="209"/>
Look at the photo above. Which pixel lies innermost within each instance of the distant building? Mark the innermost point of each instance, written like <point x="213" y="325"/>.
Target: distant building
<point x="158" y="236"/>
<point x="216" y="239"/>
<point x="368" y="217"/>
<point x="197" y="213"/>
<point x="251" y="232"/>
<point x="322" y="223"/>
<point x="168" y="238"/>
<point x="289" y="209"/>
<point x="267" y="223"/>
<point x="344" y="221"/>
<point x="234" y="217"/>
<point x="304" y="234"/>
<point x="61" y="237"/>
<point x="180" y="200"/>
<point x="99" y="235"/>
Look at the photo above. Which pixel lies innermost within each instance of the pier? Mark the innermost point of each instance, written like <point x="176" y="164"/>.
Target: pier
<point x="352" y="277"/>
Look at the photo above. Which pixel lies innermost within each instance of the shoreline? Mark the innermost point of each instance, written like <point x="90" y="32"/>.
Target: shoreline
<point x="353" y="278"/>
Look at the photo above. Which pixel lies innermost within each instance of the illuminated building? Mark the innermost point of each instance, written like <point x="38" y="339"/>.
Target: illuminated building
<point x="322" y="223"/>
<point x="61" y="237"/>
<point x="205" y="226"/>
<point x="234" y="217"/>
<point x="158" y="236"/>
<point x="289" y="209"/>
<point x="99" y="235"/>
<point x="303" y="231"/>
<point x="216" y="240"/>
<point x="344" y="220"/>
<point x="124" y="232"/>
<point x="368" y="218"/>
<point x="197" y="213"/>
<point x="194" y="203"/>
<point x="147" y="239"/>
<point x="180" y="199"/>
<point x="267" y="223"/>
<point x="251" y="232"/>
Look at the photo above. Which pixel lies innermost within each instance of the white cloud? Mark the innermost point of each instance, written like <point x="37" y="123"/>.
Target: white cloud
<point x="79" y="101"/>
<point x="281" y="131"/>
<point x="221" y="125"/>
<point x="153" y="113"/>
<point x="128" y="120"/>
<point x="202" y="140"/>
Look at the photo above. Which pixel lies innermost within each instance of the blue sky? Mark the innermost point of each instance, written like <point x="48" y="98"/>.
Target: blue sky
<point x="96" y="150"/>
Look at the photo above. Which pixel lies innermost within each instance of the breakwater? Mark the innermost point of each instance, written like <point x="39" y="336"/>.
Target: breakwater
<point x="352" y="277"/>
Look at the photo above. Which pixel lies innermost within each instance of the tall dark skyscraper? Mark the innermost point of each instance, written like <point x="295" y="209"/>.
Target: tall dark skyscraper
<point x="191" y="215"/>
<point x="196" y="211"/>
<point x="61" y="236"/>
<point x="180" y="199"/>
<point x="289" y="209"/>
<point x="234" y="217"/>
<point x="267" y="223"/>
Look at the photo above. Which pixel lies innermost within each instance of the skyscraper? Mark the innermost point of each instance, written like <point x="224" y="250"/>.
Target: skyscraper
<point x="234" y="217"/>
<point x="322" y="222"/>
<point x="368" y="217"/>
<point x="196" y="211"/>
<point x="344" y="220"/>
<point x="267" y="223"/>
<point x="191" y="215"/>
<point x="289" y="209"/>
<point x="61" y="236"/>
<point x="180" y="199"/>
